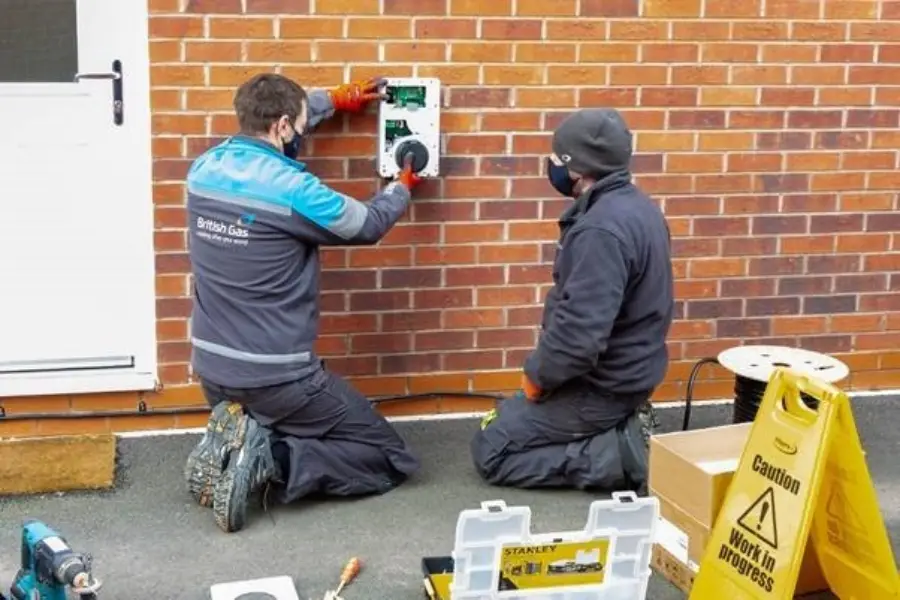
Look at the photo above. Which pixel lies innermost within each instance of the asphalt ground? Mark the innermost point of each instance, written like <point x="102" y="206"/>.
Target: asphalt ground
<point x="150" y="541"/>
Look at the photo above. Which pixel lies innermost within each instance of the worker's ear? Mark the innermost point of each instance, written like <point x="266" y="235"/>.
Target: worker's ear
<point x="284" y="128"/>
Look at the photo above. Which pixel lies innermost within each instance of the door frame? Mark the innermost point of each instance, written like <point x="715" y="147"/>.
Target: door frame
<point x="143" y="376"/>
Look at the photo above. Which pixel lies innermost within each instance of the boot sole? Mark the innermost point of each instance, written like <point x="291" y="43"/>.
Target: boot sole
<point x="206" y="463"/>
<point x="231" y="497"/>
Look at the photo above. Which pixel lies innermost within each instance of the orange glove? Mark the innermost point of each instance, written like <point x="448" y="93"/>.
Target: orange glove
<point x="407" y="176"/>
<point x="353" y="97"/>
<point x="532" y="391"/>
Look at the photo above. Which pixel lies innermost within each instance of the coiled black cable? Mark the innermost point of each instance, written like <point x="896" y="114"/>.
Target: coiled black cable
<point x="748" y="394"/>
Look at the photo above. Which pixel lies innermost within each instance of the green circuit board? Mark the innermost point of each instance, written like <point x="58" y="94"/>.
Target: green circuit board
<point x="395" y="128"/>
<point x="403" y="96"/>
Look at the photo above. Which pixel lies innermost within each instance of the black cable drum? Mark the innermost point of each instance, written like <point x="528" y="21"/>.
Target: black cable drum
<point x="748" y="394"/>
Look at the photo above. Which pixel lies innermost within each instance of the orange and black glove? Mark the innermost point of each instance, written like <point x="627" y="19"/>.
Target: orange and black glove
<point x="530" y="389"/>
<point x="407" y="176"/>
<point x="354" y="97"/>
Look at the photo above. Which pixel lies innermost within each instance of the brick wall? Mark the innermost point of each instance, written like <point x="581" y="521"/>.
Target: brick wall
<point x="768" y="130"/>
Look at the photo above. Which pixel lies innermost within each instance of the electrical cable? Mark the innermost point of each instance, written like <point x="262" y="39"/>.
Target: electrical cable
<point x="689" y="393"/>
<point x="143" y="411"/>
<point x="748" y="394"/>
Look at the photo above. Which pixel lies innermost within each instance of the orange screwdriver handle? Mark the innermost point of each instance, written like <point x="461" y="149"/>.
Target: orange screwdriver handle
<point x="351" y="570"/>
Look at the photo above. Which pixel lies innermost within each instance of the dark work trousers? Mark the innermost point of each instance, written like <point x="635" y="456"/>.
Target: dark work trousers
<point x="571" y="438"/>
<point x="326" y="437"/>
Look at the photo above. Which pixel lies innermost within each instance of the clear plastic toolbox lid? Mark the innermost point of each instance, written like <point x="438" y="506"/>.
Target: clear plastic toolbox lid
<point x="496" y="557"/>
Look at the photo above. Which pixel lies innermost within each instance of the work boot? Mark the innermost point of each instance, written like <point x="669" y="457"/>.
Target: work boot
<point x="633" y="448"/>
<point x="249" y="468"/>
<point x="649" y="421"/>
<point x="225" y="431"/>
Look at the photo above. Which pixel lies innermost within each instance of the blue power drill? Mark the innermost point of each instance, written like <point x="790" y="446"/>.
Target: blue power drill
<point x="50" y="568"/>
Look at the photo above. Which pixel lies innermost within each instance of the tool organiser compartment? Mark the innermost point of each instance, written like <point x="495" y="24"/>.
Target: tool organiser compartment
<point x="496" y="556"/>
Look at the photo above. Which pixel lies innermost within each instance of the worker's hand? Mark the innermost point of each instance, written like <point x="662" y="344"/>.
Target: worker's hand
<point x="530" y="389"/>
<point x="354" y="97"/>
<point x="407" y="176"/>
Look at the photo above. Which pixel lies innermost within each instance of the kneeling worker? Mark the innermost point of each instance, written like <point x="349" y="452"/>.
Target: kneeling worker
<point x="256" y="220"/>
<point x="583" y="418"/>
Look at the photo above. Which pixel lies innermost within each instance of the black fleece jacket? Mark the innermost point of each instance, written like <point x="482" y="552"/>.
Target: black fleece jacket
<point x="608" y="314"/>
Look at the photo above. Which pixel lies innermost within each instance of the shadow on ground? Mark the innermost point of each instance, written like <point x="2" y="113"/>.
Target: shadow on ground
<point x="151" y="542"/>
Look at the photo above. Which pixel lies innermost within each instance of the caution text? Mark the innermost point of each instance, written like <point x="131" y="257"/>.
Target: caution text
<point x="776" y="475"/>
<point x="749" y="560"/>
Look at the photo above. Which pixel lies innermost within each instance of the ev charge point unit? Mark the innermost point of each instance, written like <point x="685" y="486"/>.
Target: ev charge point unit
<point x="409" y="122"/>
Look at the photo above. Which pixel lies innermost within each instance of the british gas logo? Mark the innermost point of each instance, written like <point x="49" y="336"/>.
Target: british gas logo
<point x="246" y="220"/>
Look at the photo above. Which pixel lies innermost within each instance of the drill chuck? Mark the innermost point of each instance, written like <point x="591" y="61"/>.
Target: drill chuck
<point x="72" y="571"/>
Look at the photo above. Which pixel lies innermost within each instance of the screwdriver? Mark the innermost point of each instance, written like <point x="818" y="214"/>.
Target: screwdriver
<point x="349" y="574"/>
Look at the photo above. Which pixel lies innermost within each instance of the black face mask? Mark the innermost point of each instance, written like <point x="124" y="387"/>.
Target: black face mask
<point x="560" y="179"/>
<point x="291" y="149"/>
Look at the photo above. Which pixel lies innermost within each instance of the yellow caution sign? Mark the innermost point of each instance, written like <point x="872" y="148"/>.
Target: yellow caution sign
<point x="802" y="477"/>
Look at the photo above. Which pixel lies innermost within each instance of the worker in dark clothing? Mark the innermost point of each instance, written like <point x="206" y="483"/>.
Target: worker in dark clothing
<point x="583" y="418"/>
<point x="256" y="220"/>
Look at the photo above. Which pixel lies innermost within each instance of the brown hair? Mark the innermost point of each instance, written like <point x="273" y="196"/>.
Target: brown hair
<point x="265" y="98"/>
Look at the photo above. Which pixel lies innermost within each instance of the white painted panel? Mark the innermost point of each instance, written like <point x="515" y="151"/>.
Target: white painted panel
<point x="76" y="244"/>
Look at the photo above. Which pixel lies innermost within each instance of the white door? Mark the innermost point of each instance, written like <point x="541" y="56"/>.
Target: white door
<point x="77" y="306"/>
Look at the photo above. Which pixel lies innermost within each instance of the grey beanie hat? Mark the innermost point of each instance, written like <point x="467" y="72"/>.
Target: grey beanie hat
<point x="594" y="142"/>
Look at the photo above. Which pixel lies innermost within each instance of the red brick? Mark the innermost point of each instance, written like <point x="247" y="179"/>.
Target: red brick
<point x="374" y="28"/>
<point x="415" y="7"/>
<point x="568" y="30"/>
<point x="479" y="8"/>
<point x="672" y="8"/>
<point x="473" y="319"/>
<point x="669" y="53"/>
<point x="852" y="11"/>
<point x="735" y="9"/>
<point x="541" y="8"/>
<point x="638" y="30"/>
<point x="348" y="7"/>
<point x="278" y="7"/>
<point x="175" y="27"/>
<point x="610" y="8"/>
<point x="310" y="28"/>
<point x="256" y="27"/>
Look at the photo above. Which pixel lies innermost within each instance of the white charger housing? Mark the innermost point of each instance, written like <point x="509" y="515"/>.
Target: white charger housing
<point x="409" y="123"/>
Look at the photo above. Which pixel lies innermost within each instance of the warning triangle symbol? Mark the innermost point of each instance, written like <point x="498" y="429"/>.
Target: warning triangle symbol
<point x="841" y="510"/>
<point x="760" y="520"/>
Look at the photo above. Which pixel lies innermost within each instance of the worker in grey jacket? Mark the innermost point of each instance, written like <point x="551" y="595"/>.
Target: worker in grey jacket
<point x="256" y="219"/>
<point x="583" y="418"/>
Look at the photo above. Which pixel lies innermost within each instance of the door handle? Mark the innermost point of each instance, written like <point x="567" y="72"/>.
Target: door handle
<point x="116" y="76"/>
<point x="80" y="76"/>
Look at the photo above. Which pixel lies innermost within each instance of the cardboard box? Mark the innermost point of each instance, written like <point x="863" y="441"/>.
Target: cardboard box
<point x="669" y="558"/>
<point x="690" y="473"/>
<point x="692" y="469"/>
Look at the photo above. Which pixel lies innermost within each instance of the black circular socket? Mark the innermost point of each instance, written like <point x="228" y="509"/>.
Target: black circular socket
<point x="419" y="153"/>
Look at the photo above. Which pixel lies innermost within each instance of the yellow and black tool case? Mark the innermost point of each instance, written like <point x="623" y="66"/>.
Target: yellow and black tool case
<point x="438" y="571"/>
<point x="497" y="557"/>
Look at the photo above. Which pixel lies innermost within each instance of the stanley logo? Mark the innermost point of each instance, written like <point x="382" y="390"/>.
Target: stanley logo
<point x="785" y="447"/>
